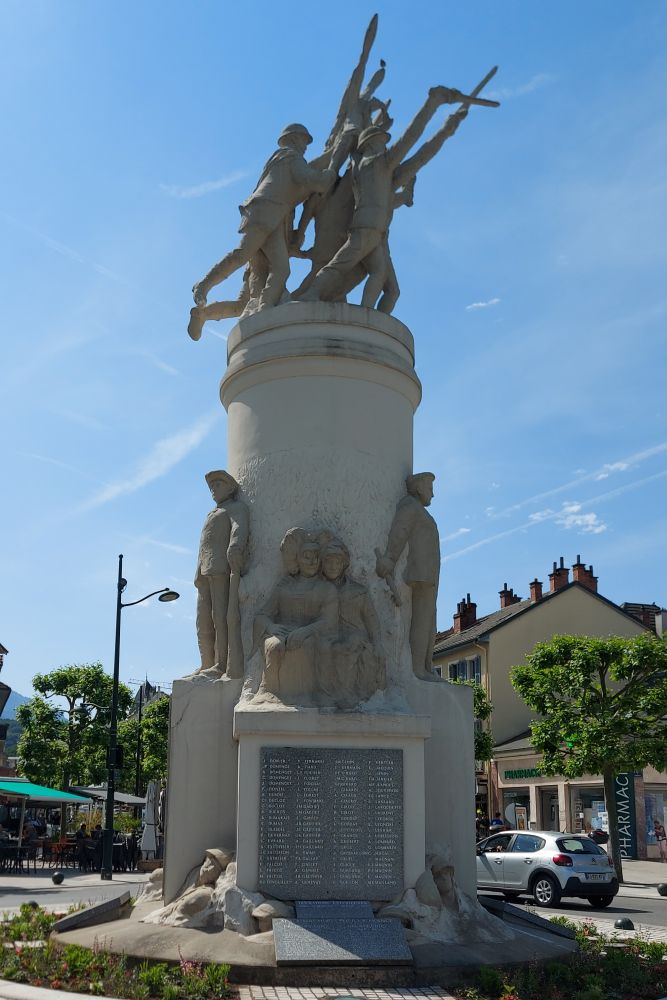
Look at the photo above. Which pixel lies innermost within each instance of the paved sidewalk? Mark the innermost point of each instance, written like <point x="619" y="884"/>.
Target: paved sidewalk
<point x="18" y="991"/>
<point x="642" y="878"/>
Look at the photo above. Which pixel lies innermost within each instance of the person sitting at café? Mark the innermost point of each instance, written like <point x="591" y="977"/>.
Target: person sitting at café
<point x="4" y="835"/>
<point x="29" y="835"/>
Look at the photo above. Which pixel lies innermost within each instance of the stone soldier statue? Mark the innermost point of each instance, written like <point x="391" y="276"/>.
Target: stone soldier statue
<point x="222" y="549"/>
<point x="413" y="526"/>
<point x="379" y="170"/>
<point x="266" y="220"/>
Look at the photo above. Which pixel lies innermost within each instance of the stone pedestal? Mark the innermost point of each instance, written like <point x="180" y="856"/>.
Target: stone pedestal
<point x="449" y="774"/>
<point x="380" y="752"/>
<point x="201" y="799"/>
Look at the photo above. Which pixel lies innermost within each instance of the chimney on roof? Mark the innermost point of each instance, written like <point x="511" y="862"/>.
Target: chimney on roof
<point x="535" y="590"/>
<point x="508" y="597"/>
<point x="584" y="576"/>
<point x="466" y="614"/>
<point x="559" y="577"/>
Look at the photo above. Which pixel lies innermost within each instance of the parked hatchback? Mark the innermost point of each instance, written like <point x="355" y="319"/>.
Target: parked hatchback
<point x="546" y="864"/>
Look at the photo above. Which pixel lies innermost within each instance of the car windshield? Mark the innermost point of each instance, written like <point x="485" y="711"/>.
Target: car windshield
<point x="578" y="845"/>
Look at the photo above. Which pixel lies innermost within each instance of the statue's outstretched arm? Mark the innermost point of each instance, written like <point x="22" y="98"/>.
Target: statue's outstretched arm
<point x="408" y="169"/>
<point x="351" y="92"/>
<point x="374" y="82"/>
<point x="436" y="97"/>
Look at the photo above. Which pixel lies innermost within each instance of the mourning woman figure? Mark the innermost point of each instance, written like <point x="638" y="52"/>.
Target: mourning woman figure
<point x="355" y="666"/>
<point x="290" y="627"/>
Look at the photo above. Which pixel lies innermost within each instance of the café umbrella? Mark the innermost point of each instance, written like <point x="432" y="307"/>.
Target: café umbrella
<point x="28" y="792"/>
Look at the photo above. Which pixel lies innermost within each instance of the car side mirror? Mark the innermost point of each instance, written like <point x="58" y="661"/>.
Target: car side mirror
<point x="478" y="850"/>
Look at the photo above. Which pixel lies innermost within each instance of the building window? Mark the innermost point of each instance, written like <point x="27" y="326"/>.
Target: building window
<point x="466" y="670"/>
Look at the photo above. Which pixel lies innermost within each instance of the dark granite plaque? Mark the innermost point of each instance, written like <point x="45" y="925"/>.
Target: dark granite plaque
<point x="338" y="909"/>
<point x="339" y="942"/>
<point x="331" y="823"/>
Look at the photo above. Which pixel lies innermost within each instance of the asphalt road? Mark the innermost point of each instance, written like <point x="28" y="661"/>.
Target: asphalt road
<point x="649" y="910"/>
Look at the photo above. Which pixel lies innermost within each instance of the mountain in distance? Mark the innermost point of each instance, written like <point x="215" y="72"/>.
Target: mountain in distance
<point x="15" y="699"/>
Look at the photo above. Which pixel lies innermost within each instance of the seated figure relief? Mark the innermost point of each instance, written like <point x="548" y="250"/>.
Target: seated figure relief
<point x="318" y="633"/>
<point x="353" y="667"/>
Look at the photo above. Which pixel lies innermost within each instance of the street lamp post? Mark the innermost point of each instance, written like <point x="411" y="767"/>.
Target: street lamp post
<point x="113" y="756"/>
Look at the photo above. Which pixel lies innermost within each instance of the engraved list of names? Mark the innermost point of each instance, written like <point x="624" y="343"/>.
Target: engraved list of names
<point x="331" y="823"/>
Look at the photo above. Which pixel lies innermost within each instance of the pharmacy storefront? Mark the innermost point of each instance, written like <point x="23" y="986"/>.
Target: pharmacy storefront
<point x="529" y="800"/>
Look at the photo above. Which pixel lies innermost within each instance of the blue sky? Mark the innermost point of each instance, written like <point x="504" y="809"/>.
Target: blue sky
<point x="532" y="269"/>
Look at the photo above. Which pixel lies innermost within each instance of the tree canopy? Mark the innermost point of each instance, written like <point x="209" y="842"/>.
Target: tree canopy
<point x="155" y="739"/>
<point x="603" y="708"/>
<point x="66" y="725"/>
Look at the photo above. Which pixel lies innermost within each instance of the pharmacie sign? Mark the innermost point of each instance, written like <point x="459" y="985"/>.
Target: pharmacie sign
<point x="624" y="787"/>
<point x="522" y="772"/>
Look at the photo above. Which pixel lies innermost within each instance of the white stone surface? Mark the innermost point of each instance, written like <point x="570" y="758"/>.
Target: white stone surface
<point x="450" y="773"/>
<point x="201" y="802"/>
<point x="309" y="728"/>
<point x="320" y="400"/>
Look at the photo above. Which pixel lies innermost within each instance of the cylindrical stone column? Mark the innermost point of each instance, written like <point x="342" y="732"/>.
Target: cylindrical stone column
<point x="320" y="400"/>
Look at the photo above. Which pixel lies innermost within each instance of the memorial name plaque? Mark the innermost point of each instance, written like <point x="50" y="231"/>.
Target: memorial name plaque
<point x="331" y="823"/>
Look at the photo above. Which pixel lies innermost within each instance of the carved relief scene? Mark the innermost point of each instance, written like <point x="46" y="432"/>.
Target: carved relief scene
<point x="318" y="633"/>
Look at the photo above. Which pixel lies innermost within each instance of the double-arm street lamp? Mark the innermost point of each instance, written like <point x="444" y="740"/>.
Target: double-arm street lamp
<point x="114" y="758"/>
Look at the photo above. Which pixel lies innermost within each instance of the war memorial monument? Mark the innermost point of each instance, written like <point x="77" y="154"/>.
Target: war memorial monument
<point x="321" y="776"/>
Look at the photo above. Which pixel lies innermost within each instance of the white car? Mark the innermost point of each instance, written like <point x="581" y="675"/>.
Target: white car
<point x="547" y="865"/>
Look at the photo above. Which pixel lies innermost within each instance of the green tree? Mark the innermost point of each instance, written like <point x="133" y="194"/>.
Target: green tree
<point x="482" y="709"/>
<point x="66" y="725"/>
<point x="603" y="708"/>
<point x="155" y="739"/>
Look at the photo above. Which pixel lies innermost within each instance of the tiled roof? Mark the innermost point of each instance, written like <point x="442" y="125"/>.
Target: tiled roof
<point x="481" y="626"/>
<point x="499" y="618"/>
<point x="644" y="613"/>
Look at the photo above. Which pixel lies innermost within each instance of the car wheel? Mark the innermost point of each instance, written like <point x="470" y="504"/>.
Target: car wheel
<point x="511" y="897"/>
<point x="599" y="901"/>
<point x="546" y="890"/>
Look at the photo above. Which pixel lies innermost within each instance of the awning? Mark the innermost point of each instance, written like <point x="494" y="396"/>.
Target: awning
<point x="99" y="792"/>
<point x="38" y="794"/>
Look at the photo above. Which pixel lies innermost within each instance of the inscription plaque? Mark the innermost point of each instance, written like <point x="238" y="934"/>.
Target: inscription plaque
<point x="331" y="823"/>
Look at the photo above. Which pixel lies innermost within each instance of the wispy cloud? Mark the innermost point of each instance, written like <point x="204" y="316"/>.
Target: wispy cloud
<point x="168" y="546"/>
<point x="84" y="419"/>
<point x="48" y="460"/>
<point x="612" y="467"/>
<point x="536" y="82"/>
<point x="205" y="187"/>
<point x="539" y="517"/>
<point x="456" y="534"/>
<point x="601" y="473"/>
<point x="482" y="305"/>
<point x="162" y="457"/>
<point x="571" y="517"/>
<point x="157" y="362"/>
<point x="65" y="251"/>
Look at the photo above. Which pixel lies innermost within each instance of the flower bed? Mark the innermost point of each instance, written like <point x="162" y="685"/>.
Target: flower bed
<point x="604" y="969"/>
<point x="27" y="956"/>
